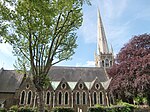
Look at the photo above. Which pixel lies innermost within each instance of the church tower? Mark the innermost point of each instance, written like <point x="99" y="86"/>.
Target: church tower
<point x="104" y="57"/>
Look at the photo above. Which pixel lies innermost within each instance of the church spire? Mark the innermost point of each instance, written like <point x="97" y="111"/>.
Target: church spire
<point x="104" y="57"/>
<point x="102" y="45"/>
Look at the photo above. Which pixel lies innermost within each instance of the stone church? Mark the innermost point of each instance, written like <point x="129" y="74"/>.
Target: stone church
<point x="76" y="87"/>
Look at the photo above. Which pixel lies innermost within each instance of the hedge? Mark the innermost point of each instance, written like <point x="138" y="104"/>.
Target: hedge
<point x="25" y="109"/>
<point x="111" y="109"/>
<point x="15" y="108"/>
<point x="62" y="109"/>
<point x="96" y="109"/>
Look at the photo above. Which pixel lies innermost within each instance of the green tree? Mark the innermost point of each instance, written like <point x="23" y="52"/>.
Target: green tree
<point x="42" y="34"/>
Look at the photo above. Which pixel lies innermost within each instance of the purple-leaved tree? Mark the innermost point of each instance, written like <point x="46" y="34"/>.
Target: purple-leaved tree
<point x="131" y="72"/>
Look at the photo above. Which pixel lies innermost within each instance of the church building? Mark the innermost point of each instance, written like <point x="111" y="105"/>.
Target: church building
<point x="75" y="87"/>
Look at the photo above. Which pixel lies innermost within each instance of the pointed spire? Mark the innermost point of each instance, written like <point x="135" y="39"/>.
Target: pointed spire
<point x="102" y="41"/>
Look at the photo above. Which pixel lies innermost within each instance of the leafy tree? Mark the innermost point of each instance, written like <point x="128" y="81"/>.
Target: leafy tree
<point x="42" y="33"/>
<point x="131" y="73"/>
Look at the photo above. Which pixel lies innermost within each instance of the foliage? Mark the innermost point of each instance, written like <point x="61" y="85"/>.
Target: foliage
<point x="14" y="108"/>
<point x="131" y="73"/>
<point x="42" y="34"/>
<point x="98" y="105"/>
<point x="120" y="107"/>
<point x="25" y="109"/>
<point x="62" y="109"/>
<point x="95" y="109"/>
<point x="140" y="100"/>
<point x="3" y="110"/>
<point x="148" y="99"/>
<point x="121" y="103"/>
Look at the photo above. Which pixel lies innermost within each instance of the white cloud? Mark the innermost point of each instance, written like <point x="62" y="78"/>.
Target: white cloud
<point x="90" y="63"/>
<point x="6" y="49"/>
<point x="87" y="64"/>
<point x="88" y="29"/>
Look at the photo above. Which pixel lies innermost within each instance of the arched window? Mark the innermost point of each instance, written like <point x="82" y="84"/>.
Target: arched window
<point x="66" y="98"/>
<point x="48" y="98"/>
<point x="101" y="98"/>
<point x="102" y="63"/>
<point x="22" y="97"/>
<point x="107" y="63"/>
<point x="59" y="98"/>
<point x="94" y="98"/>
<point x="77" y="98"/>
<point x="84" y="98"/>
<point x="29" y="98"/>
<point x="110" y="63"/>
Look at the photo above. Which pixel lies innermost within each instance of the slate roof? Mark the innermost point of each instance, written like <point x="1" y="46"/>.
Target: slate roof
<point x="10" y="80"/>
<point x="73" y="74"/>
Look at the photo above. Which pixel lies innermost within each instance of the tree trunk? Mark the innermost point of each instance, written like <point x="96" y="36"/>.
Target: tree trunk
<point x="41" y="103"/>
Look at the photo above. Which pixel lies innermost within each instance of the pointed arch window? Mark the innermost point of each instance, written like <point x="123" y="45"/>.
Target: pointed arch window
<point x="84" y="98"/>
<point x="59" y="98"/>
<point x="29" y="99"/>
<point x="77" y="98"/>
<point x="66" y="98"/>
<point x="107" y="63"/>
<point x="22" y="97"/>
<point x="110" y="63"/>
<point x="94" y="98"/>
<point x="103" y="63"/>
<point x="48" y="98"/>
<point x="101" y="98"/>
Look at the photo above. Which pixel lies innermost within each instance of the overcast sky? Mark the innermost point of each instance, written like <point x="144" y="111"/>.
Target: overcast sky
<point x="122" y="19"/>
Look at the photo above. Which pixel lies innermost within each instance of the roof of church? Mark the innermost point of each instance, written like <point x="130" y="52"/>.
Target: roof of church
<point x="10" y="80"/>
<point x="73" y="74"/>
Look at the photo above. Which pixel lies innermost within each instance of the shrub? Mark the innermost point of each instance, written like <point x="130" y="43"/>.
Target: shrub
<point x="62" y="109"/>
<point x="25" y="109"/>
<point x="96" y="109"/>
<point x="3" y="110"/>
<point x="127" y="106"/>
<point x="121" y="107"/>
<point x="13" y="108"/>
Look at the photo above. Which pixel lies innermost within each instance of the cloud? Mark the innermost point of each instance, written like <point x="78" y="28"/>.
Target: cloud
<point x="87" y="64"/>
<point x="6" y="49"/>
<point x="6" y="58"/>
<point x="90" y="63"/>
<point x="88" y="29"/>
<point x="113" y="9"/>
